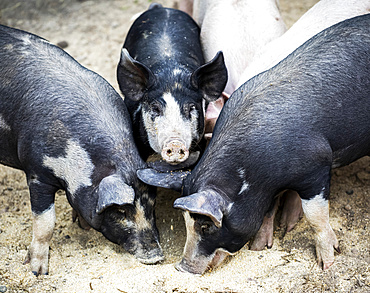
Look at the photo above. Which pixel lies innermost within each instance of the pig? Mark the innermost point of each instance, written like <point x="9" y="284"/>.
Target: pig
<point x="322" y="15"/>
<point x="68" y="129"/>
<point x="284" y="129"/>
<point x="166" y="83"/>
<point x="237" y="28"/>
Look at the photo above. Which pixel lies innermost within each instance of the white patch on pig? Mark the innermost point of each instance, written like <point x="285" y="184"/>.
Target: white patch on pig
<point x="192" y="237"/>
<point x="314" y="206"/>
<point x="43" y="226"/>
<point x="176" y="71"/>
<point x="3" y="125"/>
<point x="166" y="45"/>
<point x="141" y="221"/>
<point x="170" y="125"/>
<point x="244" y="187"/>
<point x="316" y="211"/>
<point x="145" y="35"/>
<point x="75" y="168"/>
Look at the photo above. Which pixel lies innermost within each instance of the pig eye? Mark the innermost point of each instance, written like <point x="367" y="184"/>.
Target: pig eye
<point x="204" y="225"/>
<point x="121" y="214"/>
<point x="188" y="109"/>
<point x="205" y="228"/>
<point x="156" y="110"/>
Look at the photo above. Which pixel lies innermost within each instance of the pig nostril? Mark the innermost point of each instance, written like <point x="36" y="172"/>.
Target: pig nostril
<point x="182" y="152"/>
<point x="169" y="152"/>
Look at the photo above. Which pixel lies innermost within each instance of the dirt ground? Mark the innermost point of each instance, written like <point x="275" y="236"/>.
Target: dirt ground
<point x="84" y="261"/>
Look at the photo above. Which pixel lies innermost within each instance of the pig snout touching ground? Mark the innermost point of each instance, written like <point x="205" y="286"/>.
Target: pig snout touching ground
<point x="68" y="129"/>
<point x="283" y="130"/>
<point x="166" y="83"/>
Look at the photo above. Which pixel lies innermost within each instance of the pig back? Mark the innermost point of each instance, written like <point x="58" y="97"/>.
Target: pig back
<point x="47" y="96"/>
<point x="320" y="91"/>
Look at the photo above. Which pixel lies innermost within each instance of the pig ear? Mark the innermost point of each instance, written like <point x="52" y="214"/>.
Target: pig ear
<point x="172" y="180"/>
<point x="208" y="203"/>
<point x="113" y="191"/>
<point x="133" y="77"/>
<point x="211" y="78"/>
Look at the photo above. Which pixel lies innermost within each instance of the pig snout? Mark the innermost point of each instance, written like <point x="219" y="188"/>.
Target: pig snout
<point x="200" y="264"/>
<point x="175" y="152"/>
<point x="150" y="253"/>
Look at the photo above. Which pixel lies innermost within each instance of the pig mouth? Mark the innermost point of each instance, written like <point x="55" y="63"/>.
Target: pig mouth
<point x="162" y="166"/>
<point x="175" y="152"/>
<point x="149" y="257"/>
<point x="159" y="257"/>
<point x="202" y="264"/>
<point x="146" y="252"/>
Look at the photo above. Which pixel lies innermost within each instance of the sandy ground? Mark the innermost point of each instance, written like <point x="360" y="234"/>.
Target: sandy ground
<point x="84" y="261"/>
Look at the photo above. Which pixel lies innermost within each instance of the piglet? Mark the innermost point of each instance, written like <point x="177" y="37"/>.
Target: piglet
<point x="67" y="128"/>
<point x="284" y="129"/>
<point x="239" y="29"/>
<point x="166" y="83"/>
<point x="322" y="15"/>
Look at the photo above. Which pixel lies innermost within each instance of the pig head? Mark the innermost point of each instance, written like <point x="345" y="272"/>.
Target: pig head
<point x="215" y="223"/>
<point x="123" y="217"/>
<point x="166" y="83"/>
<point x="170" y="116"/>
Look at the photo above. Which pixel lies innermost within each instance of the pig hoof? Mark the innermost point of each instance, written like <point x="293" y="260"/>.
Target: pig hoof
<point x="27" y="259"/>
<point x="325" y="266"/>
<point x="175" y="152"/>
<point x="326" y="242"/>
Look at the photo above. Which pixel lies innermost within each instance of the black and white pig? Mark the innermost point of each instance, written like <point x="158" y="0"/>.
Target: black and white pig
<point x="67" y="128"/>
<point x="284" y="129"/>
<point x="166" y="84"/>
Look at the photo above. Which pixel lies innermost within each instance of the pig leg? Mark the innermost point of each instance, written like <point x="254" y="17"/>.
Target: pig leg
<point x="81" y="221"/>
<point x="292" y="210"/>
<point x="316" y="211"/>
<point x="43" y="211"/>
<point x="265" y="234"/>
